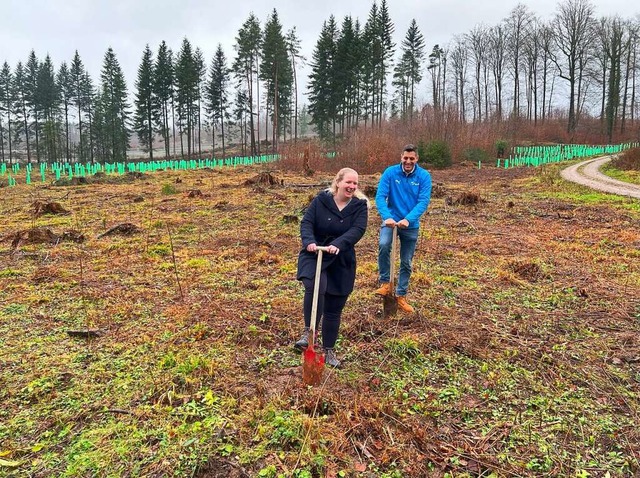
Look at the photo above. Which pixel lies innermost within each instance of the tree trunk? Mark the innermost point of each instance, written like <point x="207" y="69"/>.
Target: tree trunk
<point x="275" y="135"/>
<point x="150" y="132"/>
<point x="251" y="113"/>
<point x="258" y="104"/>
<point x="625" y="96"/>
<point x="222" y="126"/>
<point x="173" y="125"/>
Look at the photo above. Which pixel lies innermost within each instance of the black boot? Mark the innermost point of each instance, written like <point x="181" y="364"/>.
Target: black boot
<point x="303" y="343"/>
<point x="331" y="359"/>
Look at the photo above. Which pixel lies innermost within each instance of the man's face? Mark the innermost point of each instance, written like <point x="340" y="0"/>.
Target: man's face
<point x="408" y="160"/>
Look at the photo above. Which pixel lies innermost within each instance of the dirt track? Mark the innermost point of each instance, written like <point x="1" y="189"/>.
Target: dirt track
<point x="588" y="174"/>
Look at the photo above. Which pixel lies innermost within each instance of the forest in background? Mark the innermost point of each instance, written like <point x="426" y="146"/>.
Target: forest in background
<point x="572" y="78"/>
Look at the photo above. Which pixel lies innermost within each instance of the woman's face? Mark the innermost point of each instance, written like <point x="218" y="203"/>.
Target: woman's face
<point x="348" y="185"/>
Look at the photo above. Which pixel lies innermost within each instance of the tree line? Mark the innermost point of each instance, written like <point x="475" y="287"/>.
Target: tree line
<point x="573" y="65"/>
<point x="64" y="116"/>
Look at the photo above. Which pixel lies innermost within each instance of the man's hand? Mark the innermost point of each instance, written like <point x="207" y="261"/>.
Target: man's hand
<point x="403" y="224"/>
<point x="312" y="247"/>
<point x="390" y="222"/>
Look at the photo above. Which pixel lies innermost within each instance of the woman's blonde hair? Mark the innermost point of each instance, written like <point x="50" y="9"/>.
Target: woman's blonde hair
<point x="333" y="189"/>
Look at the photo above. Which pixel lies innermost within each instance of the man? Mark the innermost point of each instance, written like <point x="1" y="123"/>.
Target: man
<point x="404" y="192"/>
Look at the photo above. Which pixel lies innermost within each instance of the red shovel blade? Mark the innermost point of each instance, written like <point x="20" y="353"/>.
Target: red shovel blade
<point x="312" y="366"/>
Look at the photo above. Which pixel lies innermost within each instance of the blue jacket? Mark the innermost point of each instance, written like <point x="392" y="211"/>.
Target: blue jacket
<point x="324" y="224"/>
<point x="403" y="196"/>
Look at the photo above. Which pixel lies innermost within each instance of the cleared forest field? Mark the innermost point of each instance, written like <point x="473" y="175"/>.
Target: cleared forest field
<point x="148" y="332"/>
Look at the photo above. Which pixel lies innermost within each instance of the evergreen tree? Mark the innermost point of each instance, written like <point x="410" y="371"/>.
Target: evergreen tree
<point x="76" y="78"/>
<point x="7" y="99"/>
<point x="379" y="49"/>
<point x="323" y="106"/>
<point x="240" y="113"/>
<point x="293" y="49"/>
<point x="201" y="72"/>
<point x="65" y="87"/>
<point x="216" y="95"/>
<point x="372" y="54"/>
<point x="163" y="81"/>
<point x="408" y="72"/>
<point x="276" y="72"/>
<point x="31" y="98"/>
<point x="146" y="104"/>
<point x="347" y="72"/>
<point x="114" y="108"/>
<point x="386" y="29"/>
<point x="20" y="106"/>
<point x="48" y="101"/>
<point x="100" y="131"/>
<point x="186" y="93"/>
<point x="88" y="93"/>
<point x="246" y="67"/>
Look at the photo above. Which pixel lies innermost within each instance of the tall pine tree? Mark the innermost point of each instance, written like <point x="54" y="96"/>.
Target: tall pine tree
<point x="31" y="98"/>
<point x="163" y="83"/>
<point x="277" y="75"/>
<point x="186" y="93"/>
<point x="216" y="96"/>
<point x="293" y="48"/>
<point x="7" y="99"/>
<point x="48" y="100"/>
<point x="65" y="87"/>
<point x="408" y="72"/>
<point x="76" y="75"/>
<point x="114" y="108"/>
<point x="146" y="105"/>
<point x="323" y="101"/>
<point x="246" y="67"/>
<point x="21" y="108"/>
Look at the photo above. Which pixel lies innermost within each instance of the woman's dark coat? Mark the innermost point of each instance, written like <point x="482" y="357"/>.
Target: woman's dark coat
<point x="324" y="224"/>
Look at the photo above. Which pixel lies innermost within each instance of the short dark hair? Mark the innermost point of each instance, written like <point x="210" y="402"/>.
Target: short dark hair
<point x="410" y="148"/>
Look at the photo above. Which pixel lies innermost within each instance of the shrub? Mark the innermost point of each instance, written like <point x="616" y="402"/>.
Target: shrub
<point x="168" y="188"/>
<point x="475" y="154"/>
<point x="628" y="161"/>
<point x="501" y="148"/>
<point x="435" y="153"/>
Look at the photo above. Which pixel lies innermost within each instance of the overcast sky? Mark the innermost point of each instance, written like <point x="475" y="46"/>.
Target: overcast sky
<point x="59" y="27"/>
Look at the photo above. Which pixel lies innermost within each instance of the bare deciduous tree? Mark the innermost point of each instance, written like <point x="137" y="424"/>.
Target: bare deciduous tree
<point x="573" y="30"/>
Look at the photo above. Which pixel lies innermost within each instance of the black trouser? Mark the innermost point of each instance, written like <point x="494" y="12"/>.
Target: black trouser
<point x="329" y="308"/>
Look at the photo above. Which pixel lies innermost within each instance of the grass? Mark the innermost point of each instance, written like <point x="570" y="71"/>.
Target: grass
<point x="521" y="361"/>
<point x="628" y="176"/>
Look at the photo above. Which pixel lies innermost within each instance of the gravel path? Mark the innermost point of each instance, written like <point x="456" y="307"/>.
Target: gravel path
<point x="588" y="174"/>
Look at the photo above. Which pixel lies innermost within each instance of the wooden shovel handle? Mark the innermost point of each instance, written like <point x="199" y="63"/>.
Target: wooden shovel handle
<point x="394" y="250"/>
<point x="314" y="303"/>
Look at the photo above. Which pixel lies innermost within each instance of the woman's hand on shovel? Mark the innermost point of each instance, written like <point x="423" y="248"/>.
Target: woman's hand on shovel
<point x="328" y="249"/>
<point x="332" y="250"/>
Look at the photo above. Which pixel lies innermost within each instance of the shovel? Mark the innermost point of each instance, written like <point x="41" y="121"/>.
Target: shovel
<point x="390" y="301"/>
<point x="312" y="361"/>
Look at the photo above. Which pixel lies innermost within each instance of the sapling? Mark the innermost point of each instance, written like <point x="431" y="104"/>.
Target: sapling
<point x="175" y="266"/>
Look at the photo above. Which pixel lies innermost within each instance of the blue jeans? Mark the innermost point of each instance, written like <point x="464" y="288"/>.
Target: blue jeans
<point x="408" y="239"/>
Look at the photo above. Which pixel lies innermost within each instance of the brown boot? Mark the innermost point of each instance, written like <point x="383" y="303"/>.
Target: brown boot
<point x="384" y="289"/>
<point x="404" y="306"/>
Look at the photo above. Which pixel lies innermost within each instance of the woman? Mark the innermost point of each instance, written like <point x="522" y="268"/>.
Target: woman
<point x="337" y="219"/>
